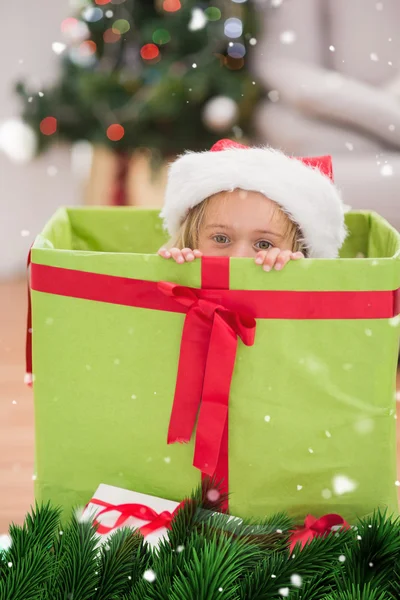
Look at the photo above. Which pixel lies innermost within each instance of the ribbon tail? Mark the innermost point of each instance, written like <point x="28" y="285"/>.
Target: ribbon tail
<point x="189" y="382"/>
<point x="212" y="427"/>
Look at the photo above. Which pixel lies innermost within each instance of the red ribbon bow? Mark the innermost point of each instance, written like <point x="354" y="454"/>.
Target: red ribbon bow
<point x="206" y="363"/>
<point x="316" y="528"/>
<point x="138" y="511"/>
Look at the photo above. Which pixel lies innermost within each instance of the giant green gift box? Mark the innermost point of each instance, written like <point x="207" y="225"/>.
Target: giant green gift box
<point x="312" y="402"/>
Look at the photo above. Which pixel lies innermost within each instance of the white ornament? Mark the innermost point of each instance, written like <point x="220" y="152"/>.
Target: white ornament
<point x="198" y="20"/>
<point x="220" y="113"/>
<point x="18" y="141"/>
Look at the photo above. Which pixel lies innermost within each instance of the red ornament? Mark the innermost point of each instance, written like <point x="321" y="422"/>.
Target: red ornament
<point x="171" y="5"/>
<point x="149" y="52"/>
<point x="115" y="132"/>
<point x="48" y="125"/>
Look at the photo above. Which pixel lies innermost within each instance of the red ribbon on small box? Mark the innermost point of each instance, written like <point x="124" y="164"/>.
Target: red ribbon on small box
<point x="316" y="528"/>
<point x="137" y="511"/>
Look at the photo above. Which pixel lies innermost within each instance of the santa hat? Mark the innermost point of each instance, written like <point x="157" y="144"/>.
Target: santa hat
<point x="302" y="187"/>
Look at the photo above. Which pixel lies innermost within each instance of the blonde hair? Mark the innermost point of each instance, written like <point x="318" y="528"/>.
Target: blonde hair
<point x="189" y="231"/>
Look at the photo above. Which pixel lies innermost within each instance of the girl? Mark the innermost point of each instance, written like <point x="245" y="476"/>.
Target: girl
<point x="252" y="202"/>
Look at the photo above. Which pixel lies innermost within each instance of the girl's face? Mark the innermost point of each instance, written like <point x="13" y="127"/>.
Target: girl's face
<point x="240" y="224"/>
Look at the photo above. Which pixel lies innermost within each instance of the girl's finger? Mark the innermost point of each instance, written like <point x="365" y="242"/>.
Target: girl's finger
<point x="270" y="258"/>
<point x="297" y="255"/>
<point x="164" y="253"/>
<point x="197" y="253"/>
<point x="260" y="257"/>
<point x="188" y="254"/>
<point x="282" y="259"/>
<point x="176" y="254"/>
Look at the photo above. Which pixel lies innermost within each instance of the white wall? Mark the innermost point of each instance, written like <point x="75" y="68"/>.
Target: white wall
<point x="28" y="194"/>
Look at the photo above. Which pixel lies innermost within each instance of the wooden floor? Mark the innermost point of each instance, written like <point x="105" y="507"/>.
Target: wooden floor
<point x="16" y="409"/>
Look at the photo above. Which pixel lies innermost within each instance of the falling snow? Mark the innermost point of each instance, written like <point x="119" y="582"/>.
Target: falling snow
<point x="359" y="537"/>
<point x="267" y="418"/>
<point x="299" y="487"/>
<point x="58" y="47"/>
<point x="374" y="57"/>
<point x="273" y="576"/>
<point x="342" y="558"/>
<point x="391" y="127"/>
<point x="326" y="494"/>
<point x="284" y="592"/>
<point x="296" y="580"/>
<point x="9" y="564"/>
<point x="167" y="459"/>
<point x="379" y="6"/>
<point x="5" y="542"/>
<point x="276" y="3"/>
<point x="252" y="41"/>
<point x="364" y="426"/>
<point x="149" y="576"/>
<point x="25" y="232"/>
<point x="34" y="477"/>
<point x="349" y="146"/>
<point x="213" y="495"/>
<point x="52" y="171"/>
<point x="397" y="483"/>
<point x="328" y="434"/>
<point x="386" y="170"/>
<point x="368" y="332"/>
<point x="370" y="564"/>
<point x="311" y="451"/>
<point x="180" y="549"/>
<point x="332" y="48"/>
<point x="273" y="95"/>
<point x="220" y="589"/>
<point x="343" y="485"/>
<point x="287" y="37"/>
<point x="133" y="397"/>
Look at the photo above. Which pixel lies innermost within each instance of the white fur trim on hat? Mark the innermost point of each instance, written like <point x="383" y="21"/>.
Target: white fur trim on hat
<point x="308" y="196"/>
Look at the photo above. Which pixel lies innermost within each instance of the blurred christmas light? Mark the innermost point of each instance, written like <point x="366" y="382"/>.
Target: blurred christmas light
<point x="234" y="64"/>
<point x="115" y="132"/>
<point x="213" y="13"/>
<point x="48" y="125"/>
<point x="58" y="47"/>
<point x="198" y="20"/>
<point x="161" y="36"/>
<point x="236" y="50"/>
<point x="87" y="48"/>
<point x="253" y="41"/>
<point x="68" y="24"/>
<point x="110" y="36"/>
<point x="102" y="2"/>
<point x="171" y="5"/>
<point x="220" y="113"/>
<point x="233" y="28"/>
<point x="92" y="14"/>
<point x="121" y="26"/>
<point x="149" y="52"/>
<point x="109" y="14"/>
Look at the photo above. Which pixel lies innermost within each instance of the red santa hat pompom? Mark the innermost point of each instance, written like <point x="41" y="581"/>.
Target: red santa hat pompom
<point x="302" y="187"/>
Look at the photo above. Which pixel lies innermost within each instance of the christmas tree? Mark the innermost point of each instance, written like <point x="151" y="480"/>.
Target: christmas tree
<point x="161" y="74"/>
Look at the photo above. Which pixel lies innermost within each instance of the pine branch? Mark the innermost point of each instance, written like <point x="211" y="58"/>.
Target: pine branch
<point x="116" y="573"/>
<point x="357" y="592"/>
<point x="75" y="572"/>
<point x="26" y="576"/>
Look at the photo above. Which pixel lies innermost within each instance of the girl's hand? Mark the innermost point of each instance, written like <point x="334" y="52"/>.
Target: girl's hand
<point x="180" y="256"/>
<point x="274" y="257"/>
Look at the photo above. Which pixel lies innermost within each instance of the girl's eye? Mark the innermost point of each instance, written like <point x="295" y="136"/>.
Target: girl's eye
<point x="221" y="239"/>
<point x="263" y="245"/>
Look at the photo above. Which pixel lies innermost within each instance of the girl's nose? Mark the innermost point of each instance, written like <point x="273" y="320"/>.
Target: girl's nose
<point x="242" y="250"/>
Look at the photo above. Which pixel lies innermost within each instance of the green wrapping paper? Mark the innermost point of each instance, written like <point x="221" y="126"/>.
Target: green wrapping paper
<point x="312" y="403"/>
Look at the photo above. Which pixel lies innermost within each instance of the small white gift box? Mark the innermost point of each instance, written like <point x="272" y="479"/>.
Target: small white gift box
<point x="112" y="508"/>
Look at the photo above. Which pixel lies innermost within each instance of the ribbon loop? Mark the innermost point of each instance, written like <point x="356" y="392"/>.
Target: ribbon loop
<point x="316" y="528"/>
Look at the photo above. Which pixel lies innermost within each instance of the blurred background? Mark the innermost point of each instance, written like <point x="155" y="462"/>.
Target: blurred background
<point x="97" y="96"/>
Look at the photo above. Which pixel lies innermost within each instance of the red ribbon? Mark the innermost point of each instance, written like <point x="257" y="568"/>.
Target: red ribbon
<point x="138" y="511"/>
<point x="316" y="528"/>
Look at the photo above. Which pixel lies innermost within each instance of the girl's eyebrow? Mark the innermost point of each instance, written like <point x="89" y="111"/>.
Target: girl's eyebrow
<point x="261" y="231"/>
